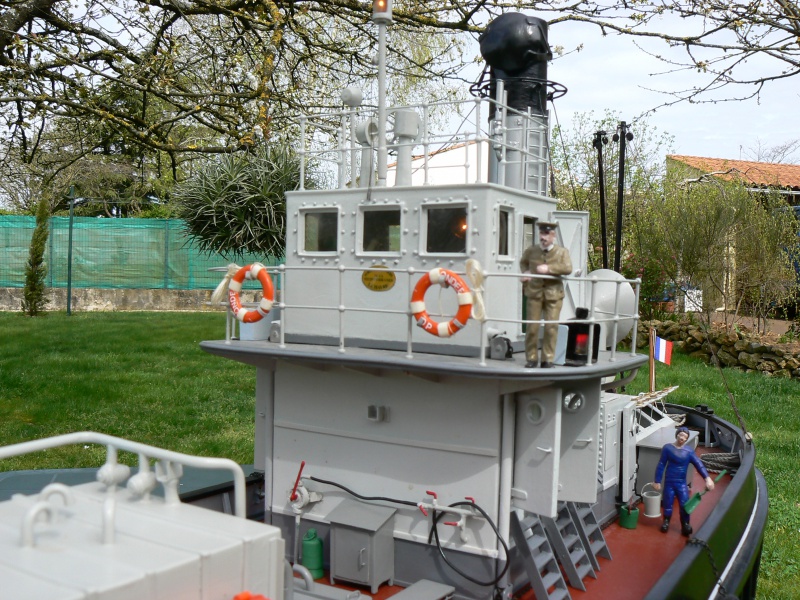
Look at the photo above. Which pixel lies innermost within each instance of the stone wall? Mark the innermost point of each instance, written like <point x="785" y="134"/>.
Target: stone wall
<point x="92" y="299"/>
<point x="735" y="349"/>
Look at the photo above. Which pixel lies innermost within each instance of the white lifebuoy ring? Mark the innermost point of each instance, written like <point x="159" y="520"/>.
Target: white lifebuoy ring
<point x="254" y="271"/>
<point x="444" y="278"/>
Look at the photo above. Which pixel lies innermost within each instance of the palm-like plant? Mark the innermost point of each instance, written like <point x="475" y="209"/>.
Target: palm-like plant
<point x="237" y="205"/>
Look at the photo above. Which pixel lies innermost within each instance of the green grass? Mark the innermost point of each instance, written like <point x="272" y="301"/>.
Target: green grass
<point x="770" y="408"/>
<point x="142" y="376"/>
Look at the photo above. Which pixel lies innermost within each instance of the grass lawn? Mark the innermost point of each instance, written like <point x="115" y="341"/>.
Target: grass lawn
<point x="142" y="376"/>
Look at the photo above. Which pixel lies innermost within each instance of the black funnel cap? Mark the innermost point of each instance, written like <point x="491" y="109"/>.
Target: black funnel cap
<point x="515" y="46"/>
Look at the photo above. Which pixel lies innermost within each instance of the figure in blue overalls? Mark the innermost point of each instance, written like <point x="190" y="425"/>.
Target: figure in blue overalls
<point x="675" y="459"/>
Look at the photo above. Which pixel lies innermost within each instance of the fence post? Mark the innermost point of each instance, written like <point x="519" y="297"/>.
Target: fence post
<point x="51" y="225"/>
<point x="69" y="250"/>
<point x="166" y="254"/>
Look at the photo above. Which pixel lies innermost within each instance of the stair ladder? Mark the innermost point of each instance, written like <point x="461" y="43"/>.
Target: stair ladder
<point x="564" y="538"/>
<point x="537" y="556"/>
<point x="589" y="531"/>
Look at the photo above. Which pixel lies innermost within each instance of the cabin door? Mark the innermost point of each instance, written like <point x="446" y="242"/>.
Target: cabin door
<point x="537" y="454"/>
<point x="573" y="234"/>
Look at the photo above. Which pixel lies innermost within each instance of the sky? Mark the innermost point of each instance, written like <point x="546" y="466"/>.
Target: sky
<point x="612" y="73"/>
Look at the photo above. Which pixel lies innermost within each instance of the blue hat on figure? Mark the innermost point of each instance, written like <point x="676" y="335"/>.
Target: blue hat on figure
<point x="681" y="430"/>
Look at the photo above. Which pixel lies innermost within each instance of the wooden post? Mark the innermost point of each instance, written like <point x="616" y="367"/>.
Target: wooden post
<point x="652" y="359"/>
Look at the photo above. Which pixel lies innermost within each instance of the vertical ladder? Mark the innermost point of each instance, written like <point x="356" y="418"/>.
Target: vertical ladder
<point x="589" y="530"/>
<point x="537" y="556"/>
<point x="536" y="157"/>
<point x="566" y="542"/>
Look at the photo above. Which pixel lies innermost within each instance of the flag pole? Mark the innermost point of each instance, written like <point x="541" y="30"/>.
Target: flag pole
<point x="652" y="359"/>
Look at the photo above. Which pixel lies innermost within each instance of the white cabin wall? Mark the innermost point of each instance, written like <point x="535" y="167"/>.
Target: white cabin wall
<point x="438" y="436"/>
<point x="321" y="287"/>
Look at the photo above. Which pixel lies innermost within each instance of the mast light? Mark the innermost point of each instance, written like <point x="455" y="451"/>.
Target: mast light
<point x="382" y="11"/>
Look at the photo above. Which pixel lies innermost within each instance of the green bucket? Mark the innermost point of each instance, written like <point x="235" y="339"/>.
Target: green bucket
<point x="628" y="517"/>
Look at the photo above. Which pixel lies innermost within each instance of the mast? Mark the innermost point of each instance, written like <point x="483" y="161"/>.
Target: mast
<point x="382" y="16"/>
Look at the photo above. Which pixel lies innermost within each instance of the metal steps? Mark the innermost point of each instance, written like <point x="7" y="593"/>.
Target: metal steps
<point x="538" y="558"/>
<point x="564" y="538"/>
<point x="572" y="539"/>
<point x="589" y="531"/>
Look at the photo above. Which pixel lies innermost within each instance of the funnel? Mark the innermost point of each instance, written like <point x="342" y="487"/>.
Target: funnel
<point x="692" y="502"/>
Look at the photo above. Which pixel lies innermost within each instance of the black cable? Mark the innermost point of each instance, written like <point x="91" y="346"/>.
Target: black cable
<point x="434" y="533"/>
<point x="359" y="496"/>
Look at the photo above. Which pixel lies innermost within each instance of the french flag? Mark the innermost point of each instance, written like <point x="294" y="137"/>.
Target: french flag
<point x="663" y="350"/>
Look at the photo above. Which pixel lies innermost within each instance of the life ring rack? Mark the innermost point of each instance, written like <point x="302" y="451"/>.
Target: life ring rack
<point x="445" y="278"/>
<point x="252" y="272"/>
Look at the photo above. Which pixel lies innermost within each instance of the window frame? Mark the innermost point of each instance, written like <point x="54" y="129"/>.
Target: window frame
<point x="424" y="210"/>
<point x="301" y="238"/>
<point x="361" y="230"/>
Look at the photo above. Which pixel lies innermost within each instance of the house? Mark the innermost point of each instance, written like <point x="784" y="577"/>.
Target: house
<point x="757" y="176"/>
<point x="780" y="177"/>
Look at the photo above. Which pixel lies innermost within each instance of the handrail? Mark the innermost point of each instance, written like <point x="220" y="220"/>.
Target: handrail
<point x="337" y="304"/>
<point x="115" y="443"/>
<point x="329" y="139"/>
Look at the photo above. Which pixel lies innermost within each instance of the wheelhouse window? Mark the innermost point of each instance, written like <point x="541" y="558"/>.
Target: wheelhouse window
<point x="381" y="230"/>
<point x="503" y="232"/>
<point x="528" y="233"/>
<point x="446" y="230"/>
<point x="320" y="230"/>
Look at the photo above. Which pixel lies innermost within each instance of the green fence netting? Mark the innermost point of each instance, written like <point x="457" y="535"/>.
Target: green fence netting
<point x="114" y="253"/>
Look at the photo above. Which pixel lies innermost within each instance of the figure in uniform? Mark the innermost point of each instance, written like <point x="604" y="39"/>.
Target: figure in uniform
<point x="545" y="295"/>
<point x="674" y="463"/>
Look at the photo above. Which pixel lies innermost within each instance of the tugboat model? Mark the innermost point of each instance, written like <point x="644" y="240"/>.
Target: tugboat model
<point x="395" y="414"/>
<point x="412" y="438"/>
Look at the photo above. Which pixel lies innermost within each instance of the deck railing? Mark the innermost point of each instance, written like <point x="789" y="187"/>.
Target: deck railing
<point x="343" y="144"/>
<point x="168" y="469"/>
<point x="614" y="319"/>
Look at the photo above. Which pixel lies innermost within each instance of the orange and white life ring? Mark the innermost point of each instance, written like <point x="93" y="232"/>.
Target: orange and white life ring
<point x="444" y="278"/>
<point x="254" y="271"/>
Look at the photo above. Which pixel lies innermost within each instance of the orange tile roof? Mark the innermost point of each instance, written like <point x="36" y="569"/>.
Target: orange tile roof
<point x="755" y="173"/>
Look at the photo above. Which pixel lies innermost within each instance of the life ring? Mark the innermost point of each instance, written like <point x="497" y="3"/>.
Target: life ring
<point x="444" y="278"/>
<point x="254" y="271"/>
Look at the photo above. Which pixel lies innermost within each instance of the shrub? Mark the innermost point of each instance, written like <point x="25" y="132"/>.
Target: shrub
<point x="33" y="298"/>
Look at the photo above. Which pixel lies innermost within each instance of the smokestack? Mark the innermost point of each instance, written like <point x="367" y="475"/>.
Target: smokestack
<point x="515" y="47"/>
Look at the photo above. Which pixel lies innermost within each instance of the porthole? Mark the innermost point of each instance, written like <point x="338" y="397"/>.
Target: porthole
<point x="574" y="402"/>
<point x="534" y="412"/>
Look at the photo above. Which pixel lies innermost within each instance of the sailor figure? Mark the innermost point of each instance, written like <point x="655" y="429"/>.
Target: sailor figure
<point x="545" y="295"/>
<point x="675" y="459"/>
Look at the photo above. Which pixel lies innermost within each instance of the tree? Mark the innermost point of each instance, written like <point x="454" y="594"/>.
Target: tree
<point x="736" y="47"/>
<point x="715" y="235"/>
<point x="191" y="75"/>
<point x="780" y="153"/>
<point x="157" y="84"/>
<point x="33" y="295"/>
<point x="229" y="66"/>
<point x="237" y="205"/>
<point x="575" y="171"/>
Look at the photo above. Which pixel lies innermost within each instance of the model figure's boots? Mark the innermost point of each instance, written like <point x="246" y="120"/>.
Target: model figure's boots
<point x="686" y="528"/>
<point x="665" y="525"/>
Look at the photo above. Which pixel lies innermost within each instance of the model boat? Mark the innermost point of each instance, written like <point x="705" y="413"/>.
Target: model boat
<point x="395" y="416"/>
